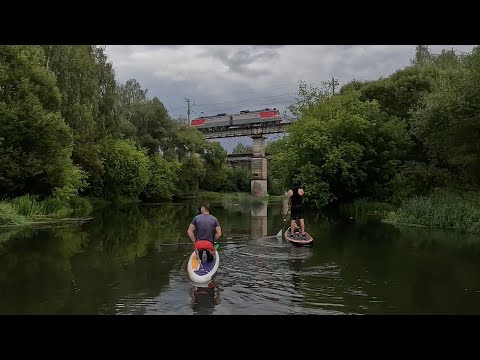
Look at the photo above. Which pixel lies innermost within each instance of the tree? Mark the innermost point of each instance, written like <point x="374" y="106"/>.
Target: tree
<point x="423" y="56"/>
<point x="342" y="148"/>
<point x="216" y="177"/>
<point x="242" y="149"/>
<point x="448" y="122"/>
<point x="35" y="143"/>
<point x="126" y="169"/>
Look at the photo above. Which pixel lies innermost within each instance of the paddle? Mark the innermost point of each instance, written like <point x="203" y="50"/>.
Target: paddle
<point x="279" y="234"/>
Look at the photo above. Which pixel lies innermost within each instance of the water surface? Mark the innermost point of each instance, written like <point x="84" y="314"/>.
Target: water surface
<point x="132" y="260"/>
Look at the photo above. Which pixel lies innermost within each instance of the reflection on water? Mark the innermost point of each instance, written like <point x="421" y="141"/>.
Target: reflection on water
<point x="132" y="260"/>
<point x="205" y="298"/>
<point x="259" y="220"/>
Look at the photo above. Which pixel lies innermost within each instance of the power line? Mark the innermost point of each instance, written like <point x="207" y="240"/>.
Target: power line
<point x="241" y="101"/>
<point x="238" y="101"/>
<point x="264" y="103"/>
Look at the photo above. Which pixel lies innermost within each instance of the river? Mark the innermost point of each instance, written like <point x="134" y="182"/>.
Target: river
<point x="132" y="260"/>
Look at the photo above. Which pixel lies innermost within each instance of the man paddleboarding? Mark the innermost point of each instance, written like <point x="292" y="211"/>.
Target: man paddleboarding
<point x="207" y="231"/>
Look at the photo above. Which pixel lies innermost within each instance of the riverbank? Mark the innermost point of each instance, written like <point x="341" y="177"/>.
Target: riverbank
<point x="445" y="209"/>
<point x="29" y="211"/>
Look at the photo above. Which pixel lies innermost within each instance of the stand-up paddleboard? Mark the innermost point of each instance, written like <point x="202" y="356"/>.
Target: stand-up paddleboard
<point x="202" y="271"/>
<point x="297" y="238"/>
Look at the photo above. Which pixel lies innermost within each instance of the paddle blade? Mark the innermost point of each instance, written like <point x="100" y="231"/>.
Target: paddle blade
<point x="279" y="234"/>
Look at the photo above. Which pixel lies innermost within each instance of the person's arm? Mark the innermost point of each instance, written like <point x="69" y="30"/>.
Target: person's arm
<point x="218" y="231"/>
<point x="190" y="230"/>
<point x="289" y="193"/>
<point x="301" y="192"/>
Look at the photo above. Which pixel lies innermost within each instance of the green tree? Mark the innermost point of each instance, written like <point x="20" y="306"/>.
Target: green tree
<point x="448" y="120"/>
<point x="342" y="148"/>
<point x="86" y="83"/>
<point x="242" y="149"/>
<point x="126" y="169"/>
<point x="36" y="144"/>
<point x="216" y="177"/>
<point x="163" y="178"/>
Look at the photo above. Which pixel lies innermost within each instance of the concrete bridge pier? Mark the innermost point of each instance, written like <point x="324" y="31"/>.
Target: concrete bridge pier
<point x="258" y="183"/>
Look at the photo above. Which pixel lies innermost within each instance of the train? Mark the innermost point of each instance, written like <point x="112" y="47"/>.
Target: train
<point x="244" y="119"/>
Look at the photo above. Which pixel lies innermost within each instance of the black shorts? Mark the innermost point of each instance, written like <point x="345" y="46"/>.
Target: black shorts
<point x="297" y="213"/>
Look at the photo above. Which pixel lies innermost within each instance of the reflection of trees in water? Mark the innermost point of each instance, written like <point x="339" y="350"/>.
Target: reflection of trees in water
<point x="131" y="232"/>
<point x="116" y="267"/>
<point x="35" y="270"/>
<point x="421" y="237"/>
<point x="414" y="270"/>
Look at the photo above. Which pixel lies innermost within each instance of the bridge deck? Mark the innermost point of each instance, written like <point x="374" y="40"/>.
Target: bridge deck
<point x="247" y="132"/>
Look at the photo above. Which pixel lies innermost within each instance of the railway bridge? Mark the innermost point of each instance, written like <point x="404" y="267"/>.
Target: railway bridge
<point x="258" y="182"/>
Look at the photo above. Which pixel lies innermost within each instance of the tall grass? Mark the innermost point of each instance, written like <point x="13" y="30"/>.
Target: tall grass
<point x="27" y="208"/>
<point x="361" y="208"/>
<point x="9" y="216"/>
<point x="28" y="205"/>
<point x="443" y="209"/>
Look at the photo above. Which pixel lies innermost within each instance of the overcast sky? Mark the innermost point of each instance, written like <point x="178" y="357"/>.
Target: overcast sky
<point x="230" y="78"/>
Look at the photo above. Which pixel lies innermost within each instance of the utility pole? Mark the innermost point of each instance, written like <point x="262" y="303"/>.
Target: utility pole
<point x="188" y="110"/>
<point x="334" y="82"/>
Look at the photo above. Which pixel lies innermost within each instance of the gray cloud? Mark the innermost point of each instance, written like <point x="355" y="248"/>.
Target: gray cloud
<point x="238" y="59"/>
<point x="230" y="78"/>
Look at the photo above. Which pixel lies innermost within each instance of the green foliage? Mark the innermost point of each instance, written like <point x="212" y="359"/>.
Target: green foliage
<point x="163" y="178"/>
<point x="448" y="122"/>
<point x="400" y="93"/>
<point x="275" y="186"/>
<point x="308" y="95"/>
<point x="364" y="207"/>
<point x="36" y="144"/>
<point x="239" y="179"/>
<point x="56" y="207"/>
<point x="216" y="176"/>
<point x="242" y="149"/>
<point x="342" y="148"/>
<point x="80" y="207"/>
<point x="445" y="209"/>
<point x="28" y="205"/>
<point x="9" y="216"/>
<point x="126" y="168"/>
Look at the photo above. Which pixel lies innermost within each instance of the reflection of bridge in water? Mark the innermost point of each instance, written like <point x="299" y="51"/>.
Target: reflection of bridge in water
<point x="259" y="219"/>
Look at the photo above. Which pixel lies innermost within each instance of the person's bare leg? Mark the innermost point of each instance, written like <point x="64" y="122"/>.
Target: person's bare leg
<point x="302" y="225"/>
<point x="292" y="226"/>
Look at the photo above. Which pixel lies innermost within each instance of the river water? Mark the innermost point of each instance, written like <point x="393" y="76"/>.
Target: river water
<point x="132" y="260"/>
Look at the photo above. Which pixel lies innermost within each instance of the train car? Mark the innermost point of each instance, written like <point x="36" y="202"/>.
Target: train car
<point x="257" y="118"/>
<point x="216" y="122"/>
<point x="244" y="119"/>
